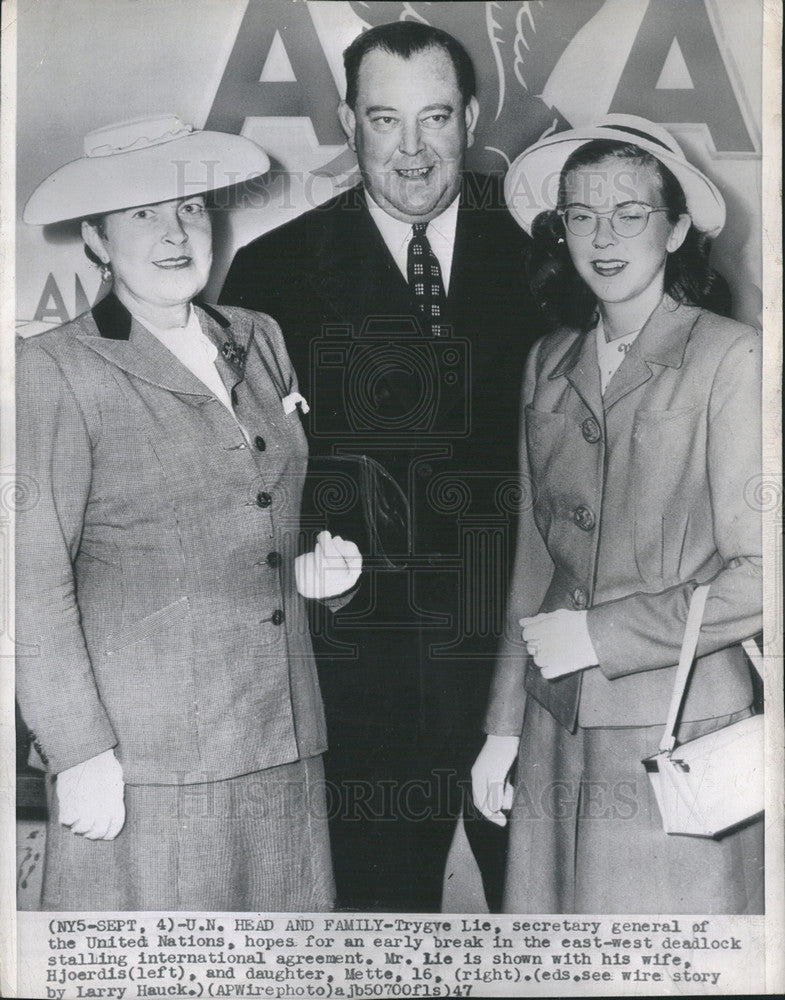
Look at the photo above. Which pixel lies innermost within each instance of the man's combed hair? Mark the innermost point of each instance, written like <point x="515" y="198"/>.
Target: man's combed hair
<point x="561" y="293"/>
<point x="405" y="39"/>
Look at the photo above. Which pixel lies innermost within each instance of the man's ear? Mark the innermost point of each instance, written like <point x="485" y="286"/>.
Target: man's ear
<point x="93" y="239"/>
<point x="471" y="114"/>
<point x="348" y="120"/>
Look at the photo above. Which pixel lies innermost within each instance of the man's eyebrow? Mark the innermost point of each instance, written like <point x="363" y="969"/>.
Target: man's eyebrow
<point x="376" y="108"/>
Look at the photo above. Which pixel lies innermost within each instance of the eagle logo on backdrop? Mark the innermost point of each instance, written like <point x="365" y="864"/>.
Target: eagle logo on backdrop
<point x="558" y="64"/>
<point x="542" y="66"/>
<point x="515" y="46"/>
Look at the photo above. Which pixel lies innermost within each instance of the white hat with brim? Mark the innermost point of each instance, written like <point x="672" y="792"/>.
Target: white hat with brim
<point x="532" y="182"/>
<point x="142" y="162"/>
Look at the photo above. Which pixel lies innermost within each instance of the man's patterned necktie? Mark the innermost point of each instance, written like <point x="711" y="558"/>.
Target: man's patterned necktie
<point x="425" y="280"/>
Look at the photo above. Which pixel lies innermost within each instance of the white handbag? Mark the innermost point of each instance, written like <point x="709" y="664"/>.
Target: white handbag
<point x="707" y="786"/>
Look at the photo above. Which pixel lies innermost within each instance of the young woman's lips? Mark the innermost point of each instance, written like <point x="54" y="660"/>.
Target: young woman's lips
<point x="172" y="263"/>
<point x="608" y="268"/>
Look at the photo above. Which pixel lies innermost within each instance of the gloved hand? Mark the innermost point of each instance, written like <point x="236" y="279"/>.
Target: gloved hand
<point x="491" y="791"/>
<point x="332" y="568"/>
<point x="90" y="797"/>
<point x="559" y="642"/>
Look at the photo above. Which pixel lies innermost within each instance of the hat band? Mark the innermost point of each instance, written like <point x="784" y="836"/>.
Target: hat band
<point x="639" y="133"/>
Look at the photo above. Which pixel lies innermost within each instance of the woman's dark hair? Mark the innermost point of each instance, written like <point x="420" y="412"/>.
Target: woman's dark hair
<point x="561" y="293"/>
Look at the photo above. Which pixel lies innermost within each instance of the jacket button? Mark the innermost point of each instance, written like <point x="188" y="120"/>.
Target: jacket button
<point x="584" y="518"/>
<point x="274" y="560"/>
<point x="277" y="617"/>
<point x="263" y="500"/>
<point x="591" y="430"/>
<point x="260" y="442"/>
<point x="580" y="598"/>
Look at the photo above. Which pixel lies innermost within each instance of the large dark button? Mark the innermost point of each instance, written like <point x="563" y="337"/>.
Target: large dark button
<point x="584" y="517"/>
<point x="274" y="560"/>
<point x="580" y="598"/>
<point x="277" y="617"/>
<point x="591" y="430"/>
<point x="263" y="499"/>
<point x="260" y="442"/>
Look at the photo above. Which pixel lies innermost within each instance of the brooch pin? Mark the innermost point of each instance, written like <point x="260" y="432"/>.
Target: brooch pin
<point x="234" y="354"/>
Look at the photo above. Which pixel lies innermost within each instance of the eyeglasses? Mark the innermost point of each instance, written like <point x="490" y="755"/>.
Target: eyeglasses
<point x="629" y="219"/>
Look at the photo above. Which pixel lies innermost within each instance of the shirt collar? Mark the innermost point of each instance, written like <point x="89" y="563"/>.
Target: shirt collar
<point x="178" y="336"/>
<point x="397" y="233"/>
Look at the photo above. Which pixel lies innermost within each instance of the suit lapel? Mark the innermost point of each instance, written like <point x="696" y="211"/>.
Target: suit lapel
<point x="129" y="345"/>
<point x="476" y="239"/>
<point x="355" y="275"/>
<point x="661" y="342"/>
<point x="232" y="347"/>
<point x="631" y="373"/>
<point x="354" y="271"/>
<point x="581" y="369"/>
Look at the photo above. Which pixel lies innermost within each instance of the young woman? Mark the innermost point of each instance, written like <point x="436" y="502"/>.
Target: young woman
<point x="165" y="665"/>
<point x="641" y="429"/>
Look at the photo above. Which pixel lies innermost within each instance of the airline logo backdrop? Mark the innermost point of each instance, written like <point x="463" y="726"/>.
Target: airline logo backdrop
<point x="272" y="70"/>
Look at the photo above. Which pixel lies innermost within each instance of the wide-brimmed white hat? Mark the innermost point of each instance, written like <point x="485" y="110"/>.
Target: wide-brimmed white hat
<point x="532" y="182"/>
<point x="141" y="162"/>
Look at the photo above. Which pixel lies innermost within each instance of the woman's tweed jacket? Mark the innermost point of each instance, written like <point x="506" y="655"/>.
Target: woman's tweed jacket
<point x="156" y="605"/>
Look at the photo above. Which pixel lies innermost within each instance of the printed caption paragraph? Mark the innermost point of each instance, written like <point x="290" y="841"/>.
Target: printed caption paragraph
<point x="95" y="957"/>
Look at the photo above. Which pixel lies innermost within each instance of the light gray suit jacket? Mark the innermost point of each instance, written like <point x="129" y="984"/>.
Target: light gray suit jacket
<point x="634" y="498"/>
<point x="157" y="611"/>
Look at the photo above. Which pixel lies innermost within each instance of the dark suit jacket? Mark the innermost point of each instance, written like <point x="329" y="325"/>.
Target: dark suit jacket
<point x="440" y="414"/>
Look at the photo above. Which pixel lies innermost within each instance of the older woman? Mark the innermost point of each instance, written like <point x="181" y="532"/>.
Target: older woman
<point x="641" y="430"/>
<point x="165" y="666"/>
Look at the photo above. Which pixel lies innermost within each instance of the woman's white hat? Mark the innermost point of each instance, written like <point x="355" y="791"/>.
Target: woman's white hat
<point x="141" y="162"/>
<point x="532" y="182"/>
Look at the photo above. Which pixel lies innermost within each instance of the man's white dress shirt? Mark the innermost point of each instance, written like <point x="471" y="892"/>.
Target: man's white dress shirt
<point x="397" y="234"/>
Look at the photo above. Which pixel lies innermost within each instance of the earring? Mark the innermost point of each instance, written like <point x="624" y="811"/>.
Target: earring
<point x="560" y="239"/>
<point x="105" y="269"/>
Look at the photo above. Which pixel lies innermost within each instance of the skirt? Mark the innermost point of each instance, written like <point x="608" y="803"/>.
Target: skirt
<point x="258" y="842"/>
<point x="586" y="834"/>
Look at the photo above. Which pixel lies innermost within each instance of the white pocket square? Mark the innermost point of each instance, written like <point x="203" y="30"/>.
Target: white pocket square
<point x="290" y="403"/>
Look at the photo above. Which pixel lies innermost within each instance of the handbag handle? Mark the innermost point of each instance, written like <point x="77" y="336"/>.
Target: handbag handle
<point x="686" y="659"/>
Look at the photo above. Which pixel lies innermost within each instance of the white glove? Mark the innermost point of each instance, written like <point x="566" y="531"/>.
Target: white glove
<point x="90" y="797"/>
<point x="559" y="642"/>
<point x="332" y="568"/>
<point x="491" y="791"/>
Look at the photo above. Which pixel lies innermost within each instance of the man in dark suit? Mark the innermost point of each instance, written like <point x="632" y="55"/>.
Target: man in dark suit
<point x="405" y="310"/>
